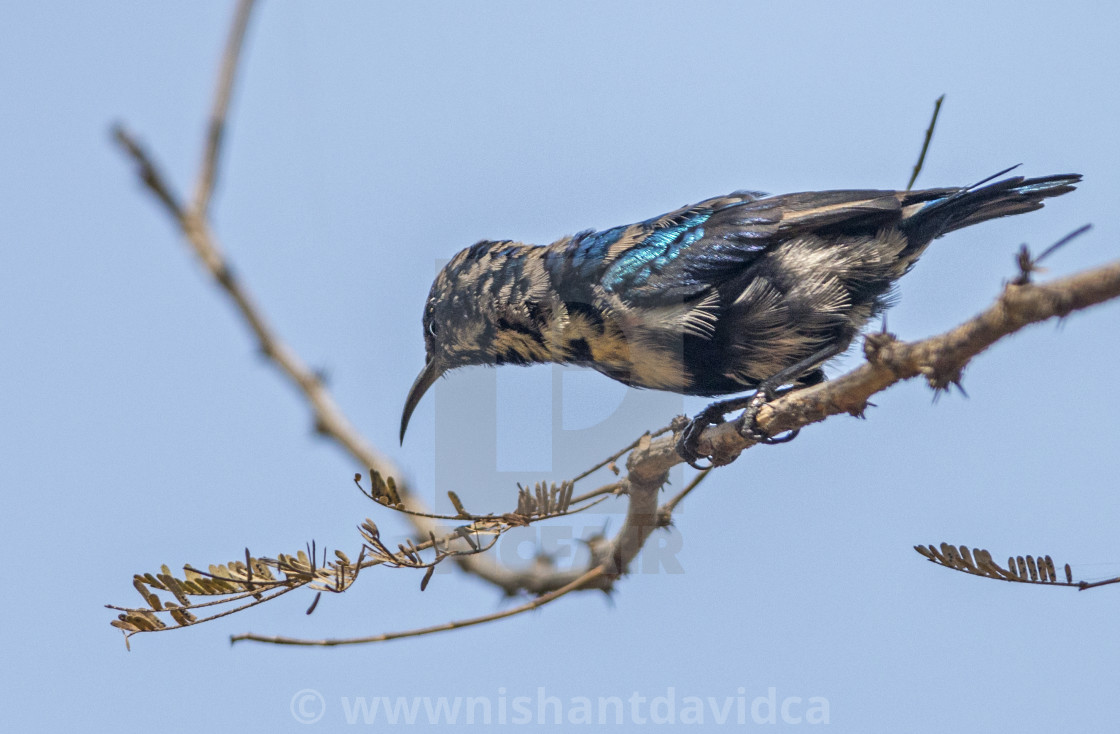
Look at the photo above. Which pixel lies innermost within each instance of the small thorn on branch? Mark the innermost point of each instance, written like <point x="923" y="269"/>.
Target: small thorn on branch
<point x="1029" y="265"/>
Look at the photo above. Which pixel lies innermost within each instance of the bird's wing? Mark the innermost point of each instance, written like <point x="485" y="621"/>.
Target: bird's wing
<point x="681" y="255"/>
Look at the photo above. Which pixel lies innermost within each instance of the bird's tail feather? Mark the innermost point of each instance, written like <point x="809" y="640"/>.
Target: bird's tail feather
<point x="985" y="201"/>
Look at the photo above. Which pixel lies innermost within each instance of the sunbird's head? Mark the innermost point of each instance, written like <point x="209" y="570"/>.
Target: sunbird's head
<point x="483" y="309"/>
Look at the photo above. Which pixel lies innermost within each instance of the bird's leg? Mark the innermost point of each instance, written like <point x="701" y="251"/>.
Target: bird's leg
<point x="767" y="390"/>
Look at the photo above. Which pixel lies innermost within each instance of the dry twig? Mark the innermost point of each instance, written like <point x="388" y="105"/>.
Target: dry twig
<point x="576" y="584"/>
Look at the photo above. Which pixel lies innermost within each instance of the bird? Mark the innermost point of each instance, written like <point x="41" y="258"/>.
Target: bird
<point x="736" y="293"/>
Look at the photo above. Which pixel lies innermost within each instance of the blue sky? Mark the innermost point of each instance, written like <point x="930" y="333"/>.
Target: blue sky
<point x="371" y="141"/>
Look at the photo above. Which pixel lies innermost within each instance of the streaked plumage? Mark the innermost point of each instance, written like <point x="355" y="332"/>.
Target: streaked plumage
<point x="711" y="299"/>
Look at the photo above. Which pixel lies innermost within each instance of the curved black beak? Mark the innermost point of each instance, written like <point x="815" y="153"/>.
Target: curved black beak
<point x="424" y="380"/>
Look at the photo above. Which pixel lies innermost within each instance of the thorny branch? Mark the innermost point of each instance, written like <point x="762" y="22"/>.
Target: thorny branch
<point x="939" y="359"/>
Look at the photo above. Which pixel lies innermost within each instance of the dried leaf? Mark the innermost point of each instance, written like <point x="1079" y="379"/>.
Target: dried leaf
<point x="459" y="509"/>
<point x="391" y="488"/>
<point x="427" y="577"/>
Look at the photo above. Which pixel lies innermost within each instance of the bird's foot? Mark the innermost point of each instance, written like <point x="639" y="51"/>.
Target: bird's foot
<point x="747" y="426"/>
<point x="747" y="423"/>
<point x="688" y="441"/>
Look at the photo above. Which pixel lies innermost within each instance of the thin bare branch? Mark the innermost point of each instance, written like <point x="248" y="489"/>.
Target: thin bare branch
<point x="149" y="173"/>
<point x="667" y="508"/>
<point x="613" y="488"/>
<point x="617" y="455"/>
<point x="204" y="189"/>
<point x="580" y="583"/>
<point x="1094" y="584"/>
<point x="925" y="143"/>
